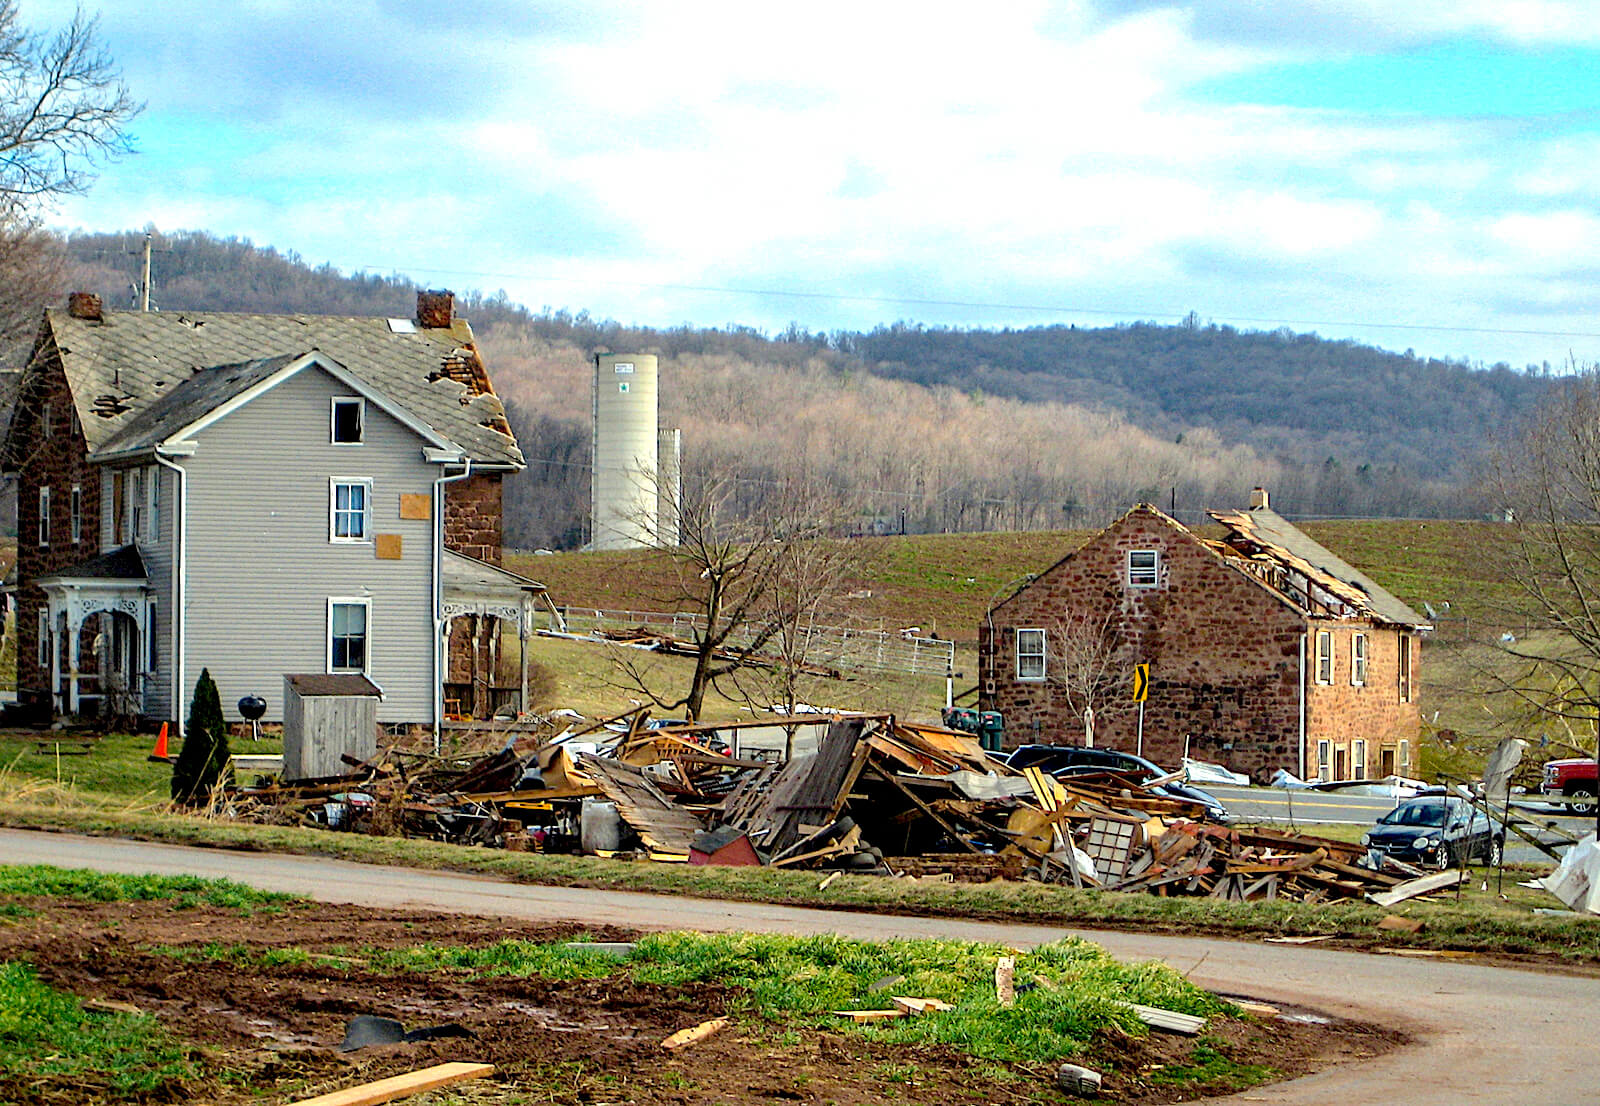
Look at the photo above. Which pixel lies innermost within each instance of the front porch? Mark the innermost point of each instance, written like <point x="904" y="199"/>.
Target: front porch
<point x="481" y="602"/>
<point x="95" y="633"/>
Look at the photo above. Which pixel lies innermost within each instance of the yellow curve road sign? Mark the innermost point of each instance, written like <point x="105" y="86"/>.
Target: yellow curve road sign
<point x="1141" y="682"/>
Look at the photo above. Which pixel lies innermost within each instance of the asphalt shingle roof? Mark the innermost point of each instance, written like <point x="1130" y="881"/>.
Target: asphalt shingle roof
<point x="123" y="366"/>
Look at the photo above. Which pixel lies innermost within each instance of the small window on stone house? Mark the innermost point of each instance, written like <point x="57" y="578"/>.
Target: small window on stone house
<point x="75" y="505"/>
<point x="44" y="518"/>
<point x="1324" y="661"/>
<point x="1030" y="654"/>
<point x="45" y="429"/>
<point x="1358" y="660"/>
<point x="1405" y="668"/>
<point x="1144" y="568"/>
<point x="44" y="637"/>
<point x="1324" y="759"/>
<point x="1358" y="759"/>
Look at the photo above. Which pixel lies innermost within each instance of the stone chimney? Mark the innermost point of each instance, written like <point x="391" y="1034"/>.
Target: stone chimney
<point x="84" y="305"/>
<point x="1258" y="499"/>
<point x="435" y="309"/>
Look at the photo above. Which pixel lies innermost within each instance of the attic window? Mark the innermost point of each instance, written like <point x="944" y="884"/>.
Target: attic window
<point x="1144" y="568"/>
<point x="401" y="326"/>
<point x="349" y="418"/>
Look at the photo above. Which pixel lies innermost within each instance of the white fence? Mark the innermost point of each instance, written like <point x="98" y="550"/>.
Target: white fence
<point x="834" y="646"/>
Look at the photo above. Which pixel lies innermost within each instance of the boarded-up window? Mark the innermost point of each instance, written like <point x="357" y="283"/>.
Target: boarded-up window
<point x="1030" y="654"/>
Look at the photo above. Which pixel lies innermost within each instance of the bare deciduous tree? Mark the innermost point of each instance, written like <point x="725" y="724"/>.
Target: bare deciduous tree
<point x="63" y="109"/>
<point x="1087" y="663"/>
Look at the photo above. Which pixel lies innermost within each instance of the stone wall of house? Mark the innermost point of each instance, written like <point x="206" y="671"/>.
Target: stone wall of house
<point x="1224" y="653"/>
<point x="473" y="523"/>
<point x="54" y="460"/>
<point x="1343" y="713"/>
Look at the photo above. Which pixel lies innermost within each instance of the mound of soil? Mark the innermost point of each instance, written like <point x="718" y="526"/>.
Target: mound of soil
<point x="277" y="1028"/>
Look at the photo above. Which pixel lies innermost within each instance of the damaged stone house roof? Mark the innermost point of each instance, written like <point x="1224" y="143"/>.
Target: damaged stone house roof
<point x="134" y="373"/>
<point x="1269" y="547"/>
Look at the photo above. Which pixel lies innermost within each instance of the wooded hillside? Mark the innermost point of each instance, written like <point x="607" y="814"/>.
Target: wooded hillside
<point x="935" y="429"/>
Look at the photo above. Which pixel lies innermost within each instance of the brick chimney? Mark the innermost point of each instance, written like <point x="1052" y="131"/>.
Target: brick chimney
<point x="84" y="305"/>
<point x="435" y="309"/>
<point x="1258" y="499"/>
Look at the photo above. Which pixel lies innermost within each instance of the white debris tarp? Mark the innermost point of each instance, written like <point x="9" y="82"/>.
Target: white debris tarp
<point x="1215" y="774"/>
<point x="1576" y="880"/>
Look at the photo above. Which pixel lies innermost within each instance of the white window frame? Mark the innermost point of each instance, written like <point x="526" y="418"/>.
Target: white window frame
<point x="44" y="518"/>
<point x="136" y="501"/>
<point x="366" y="653"/>
<point x="75" y="511"/>
<point x="45" y="430"/>
<point x="361" y="419"/>
<point x="1403" y="759"/>
<point x="1144" y="576"/>
<point x="1324" y="759"/>
<point x="1034" y="657"/>
<point x="1358" y="758"/>
<point x="334" y="484"/>
<point x="1404" y="668"/>
<point x="152" y="483"/>
<point x="44" y="637"/>
<point x="1359" y="648"/>
<point x="1322" y="657"/>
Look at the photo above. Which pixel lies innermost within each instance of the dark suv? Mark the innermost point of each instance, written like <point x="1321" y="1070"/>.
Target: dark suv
<point x="1063" y="761"/>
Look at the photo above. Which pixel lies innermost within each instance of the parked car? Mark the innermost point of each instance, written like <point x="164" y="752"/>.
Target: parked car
<point x="1576" y="778"/>
<point x="1080" y="760"/>
<point x="1440" y="831"/>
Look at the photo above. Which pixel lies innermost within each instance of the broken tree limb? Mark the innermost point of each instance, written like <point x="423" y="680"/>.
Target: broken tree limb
<point x="401" y="1086"/>
<point x="683" y="1038"/>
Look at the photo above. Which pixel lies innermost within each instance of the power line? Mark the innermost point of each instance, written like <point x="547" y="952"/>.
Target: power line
<point x="1059" y="309"/>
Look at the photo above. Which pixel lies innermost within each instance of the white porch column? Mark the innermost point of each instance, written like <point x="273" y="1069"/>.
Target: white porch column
<point x="74" y="628"/>
<point x="55" y="655"/>
<point x="525" y="617"/>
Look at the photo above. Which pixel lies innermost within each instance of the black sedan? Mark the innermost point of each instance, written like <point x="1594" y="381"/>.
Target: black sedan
<point x="1441" y="831"/>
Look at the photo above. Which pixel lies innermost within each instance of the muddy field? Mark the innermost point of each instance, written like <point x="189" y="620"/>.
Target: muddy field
<point x="581" y="1041"/>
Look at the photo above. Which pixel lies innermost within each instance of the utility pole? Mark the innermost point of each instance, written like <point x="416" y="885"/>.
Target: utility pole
<point x="144" y="285"/>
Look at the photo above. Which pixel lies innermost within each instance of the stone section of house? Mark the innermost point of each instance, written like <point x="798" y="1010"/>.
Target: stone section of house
<point x="473" y="523"/>
<point x="1231" y="658"/>
<point x="49" y="457"/>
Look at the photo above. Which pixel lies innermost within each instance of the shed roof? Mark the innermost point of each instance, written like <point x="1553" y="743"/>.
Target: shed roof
<point x="312" y="685"/>
<point x="121" y="365"/>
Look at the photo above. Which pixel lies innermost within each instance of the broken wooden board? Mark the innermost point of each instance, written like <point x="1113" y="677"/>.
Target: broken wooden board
<point x="862" y="1016"/>
<point x="1170" y="1020"/>
<point x="920" y="1005"/>
<point x="664" y="827"/>
<point x="401" y="1086"/>
<point x="1414" y="887"/>
<point x="683" y="1038"/>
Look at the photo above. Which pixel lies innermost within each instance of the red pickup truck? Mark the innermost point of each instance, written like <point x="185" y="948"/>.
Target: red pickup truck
<point x="1576" y="778"/>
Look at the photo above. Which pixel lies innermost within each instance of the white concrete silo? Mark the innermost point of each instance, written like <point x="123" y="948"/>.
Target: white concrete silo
<point x="626" y="484"/>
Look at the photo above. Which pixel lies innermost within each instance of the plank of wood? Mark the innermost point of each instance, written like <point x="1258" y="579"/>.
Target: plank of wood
<point x="913" y="1005"/>
<point x="401" y="1086"/>
<point x="683" y="1038"/>
<point x="1414" y="887"/>
<point x="1170" y="1020"/>
<point x="1005" y="990"/>
<point x="859" y="1016"/>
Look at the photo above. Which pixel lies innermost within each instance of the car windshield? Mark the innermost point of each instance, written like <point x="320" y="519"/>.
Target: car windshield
<point x="1415" y="814"/>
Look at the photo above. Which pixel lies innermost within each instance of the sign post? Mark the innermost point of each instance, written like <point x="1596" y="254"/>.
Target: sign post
<point x="1141" y="691"/>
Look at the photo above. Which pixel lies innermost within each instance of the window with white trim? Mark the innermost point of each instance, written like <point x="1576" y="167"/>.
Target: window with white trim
<point x="45" y="429"/>
<point x="349" y="420"/>
<point x="1324" y="665"/>
<point x="1358" y="759"/>
<point x="1405" y="668"/>
<point x="136" y="505"/>
<point x="154" y="484"/>
<point x="1030" y="654"/>
<point x="44" y="518"/>
<point x="75" y="503"/>
<point x="349" y="505"/>
<point x="1324" y="759"/>
<point x="349" y="626"/>
<point x="1358" y="660"/>
<point x="1144" y="568"/>
<point x="1405" y="753"/>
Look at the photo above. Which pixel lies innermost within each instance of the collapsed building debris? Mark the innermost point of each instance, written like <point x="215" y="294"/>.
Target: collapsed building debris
<point x="870" y="794"/>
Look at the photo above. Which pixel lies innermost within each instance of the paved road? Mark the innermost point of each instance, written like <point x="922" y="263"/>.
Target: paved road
<point x="1483" y="1035"/>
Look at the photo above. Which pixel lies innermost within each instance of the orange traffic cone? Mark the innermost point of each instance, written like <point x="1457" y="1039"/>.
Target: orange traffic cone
<point x="161" y="746"/>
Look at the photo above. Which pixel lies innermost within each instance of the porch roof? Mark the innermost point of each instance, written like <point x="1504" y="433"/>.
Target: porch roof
<point x="123" y="565"/>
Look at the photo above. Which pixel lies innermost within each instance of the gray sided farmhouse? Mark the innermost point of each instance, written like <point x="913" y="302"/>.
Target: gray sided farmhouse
<point x="259" y="495"/>
<point x="1265" y="650"/>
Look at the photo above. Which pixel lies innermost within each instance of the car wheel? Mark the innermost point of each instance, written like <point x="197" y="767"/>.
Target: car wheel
<point x="1582" y="800"/>
<point x="1446" y="858"/>
<point x="1497" y="852"/>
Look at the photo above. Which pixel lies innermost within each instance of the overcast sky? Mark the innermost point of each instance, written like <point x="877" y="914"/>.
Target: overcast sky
<point x="1408" y="173"/>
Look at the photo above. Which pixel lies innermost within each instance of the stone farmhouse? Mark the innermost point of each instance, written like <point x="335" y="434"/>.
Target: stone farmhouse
<point x="260" y="495"/>
<point x="1265" y="650"/>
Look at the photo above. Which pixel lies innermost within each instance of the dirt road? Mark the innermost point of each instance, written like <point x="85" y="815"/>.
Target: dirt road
<point x="1485" y="1035"/>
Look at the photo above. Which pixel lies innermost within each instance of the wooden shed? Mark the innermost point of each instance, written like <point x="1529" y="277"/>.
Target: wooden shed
<point x="325" y="717"/>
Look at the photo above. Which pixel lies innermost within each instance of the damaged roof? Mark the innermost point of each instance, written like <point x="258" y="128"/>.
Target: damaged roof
<point x="1261" y="531"/>
<point x="122" y="365"/>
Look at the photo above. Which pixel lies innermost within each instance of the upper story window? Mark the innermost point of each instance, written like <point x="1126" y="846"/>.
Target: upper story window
<point x="1324" y="656"/>
<point x="347" y="634"/>
<point x="1405" y="668"/>
<point x="349" y="420"/>
<point x="46" y="430"/>
<point x="135" y="486"/>
<point x="1030" y="654"/>
<point x="154" y="484"/>
<point x="76" y="506"/>
<point x="1358" y="660"/>
<point x="44" y="518"/>
<point x="349" y="506"/>
<point x="1144" y="568"/>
